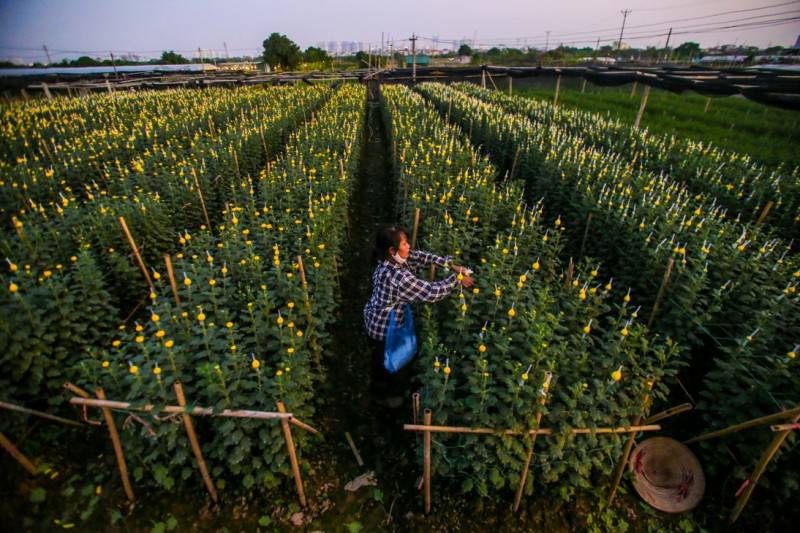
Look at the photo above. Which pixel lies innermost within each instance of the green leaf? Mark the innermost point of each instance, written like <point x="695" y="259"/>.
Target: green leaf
<point x="354" y="527"/>
<point x="38" y="495"/>
<point x="264" y="521"/>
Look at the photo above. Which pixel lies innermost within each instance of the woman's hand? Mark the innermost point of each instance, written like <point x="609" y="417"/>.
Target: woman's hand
<point x="466" y="280"/>
<point x="459" y="269"/>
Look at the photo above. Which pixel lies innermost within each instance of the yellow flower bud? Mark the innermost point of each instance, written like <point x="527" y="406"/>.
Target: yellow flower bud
<point x="133" y="369"/>
<point x="106" y="364"/>
<point x="157" y="370"/>
<point x="13" y="287"/>
<point x="187" y="282"/>
<point x="160" y="333"/>
<point x="154" y="317"/>
<point x="447" y="370"/>
<point x="482" y="348"/>
<point x="616" y="375"/>
<point x="169" y="344"/>
<point x="201" y="316"/>
<point x="139" y="339"/>
<point x="256" y="364"/>
<point x="512" y="312"/>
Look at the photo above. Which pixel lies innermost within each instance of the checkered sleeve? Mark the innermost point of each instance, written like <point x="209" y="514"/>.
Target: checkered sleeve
<point x="418" y="258"/>
<point x="413" y="289"/>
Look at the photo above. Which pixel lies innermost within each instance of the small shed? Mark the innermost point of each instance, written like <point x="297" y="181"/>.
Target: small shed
<point x="422" y="60"/>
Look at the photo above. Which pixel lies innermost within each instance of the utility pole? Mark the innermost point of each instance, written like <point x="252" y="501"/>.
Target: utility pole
<point x="413" y="58"/>
<point x="381" y="56"/>
<point x="547" y="41"/>
<point x="114" y="64"/>
<point x="199" y="55"/>
<point x="226" y="50"/>
<point x="625" y="13"/>
<point x="666" y="46"/>
<point x="47" y="52"/>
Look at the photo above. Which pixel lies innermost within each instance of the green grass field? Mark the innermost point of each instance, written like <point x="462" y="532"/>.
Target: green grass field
<point x="768" y="134"/>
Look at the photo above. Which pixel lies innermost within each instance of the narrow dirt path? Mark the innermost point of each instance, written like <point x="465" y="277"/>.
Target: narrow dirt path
<point x="351" y="404"/>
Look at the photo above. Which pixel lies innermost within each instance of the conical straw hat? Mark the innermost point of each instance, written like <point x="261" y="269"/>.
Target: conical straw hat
<point x="667" y="475"/>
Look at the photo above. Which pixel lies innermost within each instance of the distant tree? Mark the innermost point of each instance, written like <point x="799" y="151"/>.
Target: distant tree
<point x="84" y="61"/>
<point x="362" y="59"/>
<point x="315" y="55"/>
<point x="464" y="50"/>
<point x="171" y="58"/>
<point x="687" y="49"/>
<point x="281" y="52"/>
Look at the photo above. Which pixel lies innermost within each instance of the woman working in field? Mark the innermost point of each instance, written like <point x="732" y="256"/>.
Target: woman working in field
<point x="394" y="285"/>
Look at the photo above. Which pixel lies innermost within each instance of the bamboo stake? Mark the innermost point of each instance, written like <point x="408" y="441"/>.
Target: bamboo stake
<point x="83" y="394"/>
<point x="585" y="234"/>
<point x="175" y="409"/>
<point x="202" y="199"/>
<point x="510" y="85"/>
<point x="775" y="417"/>
<point x="666" y="413"/>
<point x="426" y="458"/>
<point x="558" y="89"/>
<point x="765" y="212"/>
<point x="626" y="451"/>
<point x="415" y="229"/>
<point x="112" y="430"/>
<point x="543" y="431"/>
<point x="287" y="435"/>
<point x="136" y="254"/>
<point x="18" y="455"/>
<point x="570" y="272"/>
<point x="352" y="444"/>
<point x="295" y="422"/>
<point x="708" y="103"/>
<point x="633" y="90"/>
<point x="583" y="86"/>
<point x="661" y="290"/>
<point x="766" y="457"/>
<point x="642" y="107"/>
<point x="415" y="407"/>
<point x="432" y="272"/>
<point x="198" y="454"/>
<point x="514" y="163"/>
<point x="171" y="275"/>
<point x="785" y="427"/>
<point x="524" y="477"/>
<point x="40" y="414"/>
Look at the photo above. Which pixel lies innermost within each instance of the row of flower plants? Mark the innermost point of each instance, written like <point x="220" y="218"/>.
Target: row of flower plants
<point x="731" y="284"/>
<point x="244" y="331"/>
<point x="67" y="149"/>
<point x="486" y="353"/>
<point x="740" y="184"/>
<point x="68" y="259"/>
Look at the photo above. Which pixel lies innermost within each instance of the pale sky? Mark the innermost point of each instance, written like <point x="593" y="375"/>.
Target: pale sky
<point x="71" y="28"/>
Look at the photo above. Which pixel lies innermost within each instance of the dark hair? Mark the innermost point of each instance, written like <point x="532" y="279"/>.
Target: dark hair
<point x="387" y="237"/>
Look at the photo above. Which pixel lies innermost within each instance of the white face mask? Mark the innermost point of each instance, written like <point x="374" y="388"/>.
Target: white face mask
<point x="399" y="260"/>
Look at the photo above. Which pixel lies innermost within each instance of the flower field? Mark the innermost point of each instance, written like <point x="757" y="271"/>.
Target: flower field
<point x="242" y="328"/>
<point x="487" y="353"/>
<point x="732" y="301"/>
<point x="741" y="186"/>
<point x="208" y="238"/>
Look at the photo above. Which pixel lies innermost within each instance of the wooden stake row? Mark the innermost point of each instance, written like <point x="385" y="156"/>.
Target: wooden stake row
<point x="106" y="406"/>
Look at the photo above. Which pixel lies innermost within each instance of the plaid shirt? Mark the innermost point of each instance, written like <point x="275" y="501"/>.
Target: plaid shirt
<point x="394" y="285"/>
